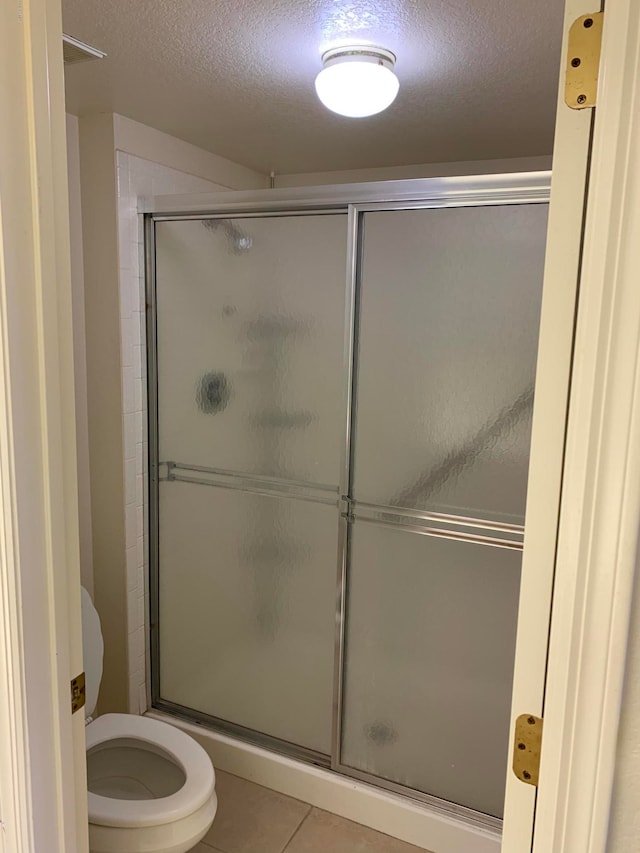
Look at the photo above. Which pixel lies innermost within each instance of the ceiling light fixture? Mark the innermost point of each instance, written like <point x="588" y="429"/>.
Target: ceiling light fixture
<point x="357" y="81"/>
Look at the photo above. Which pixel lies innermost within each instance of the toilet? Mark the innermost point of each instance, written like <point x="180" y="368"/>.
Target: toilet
<point x="151" y="787"/>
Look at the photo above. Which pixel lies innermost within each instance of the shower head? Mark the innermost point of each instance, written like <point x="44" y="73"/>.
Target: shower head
<point x="240" y="242"/>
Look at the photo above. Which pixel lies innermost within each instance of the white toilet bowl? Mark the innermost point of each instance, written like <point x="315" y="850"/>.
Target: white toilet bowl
<point x="151" y="786"/>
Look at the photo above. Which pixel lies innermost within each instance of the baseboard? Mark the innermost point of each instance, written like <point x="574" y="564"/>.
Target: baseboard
<point x="386" y="812"/>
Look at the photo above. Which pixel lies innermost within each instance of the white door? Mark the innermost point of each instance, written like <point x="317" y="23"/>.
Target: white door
<point x="566" y="211"/>
<point x="42" y="755"/>
<point x="578" y="493"/>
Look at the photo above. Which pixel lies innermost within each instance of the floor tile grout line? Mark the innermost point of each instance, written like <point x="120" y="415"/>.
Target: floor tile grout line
<point x="253" y="784"/>
<point x="210" y="847"/>
<point x="267" y="788"/>
<point x="298" y="828"/>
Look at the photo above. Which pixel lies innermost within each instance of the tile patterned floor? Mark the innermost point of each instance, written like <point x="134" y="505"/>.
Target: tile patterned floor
<point x="253" y="819"/>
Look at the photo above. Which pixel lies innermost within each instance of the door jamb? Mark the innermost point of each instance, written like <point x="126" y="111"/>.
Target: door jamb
<point x="600" y="506"/>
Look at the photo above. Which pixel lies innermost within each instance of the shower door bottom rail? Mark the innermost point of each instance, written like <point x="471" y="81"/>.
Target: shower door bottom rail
<point x="252" y="736"/>
<point x="446" y="808"/>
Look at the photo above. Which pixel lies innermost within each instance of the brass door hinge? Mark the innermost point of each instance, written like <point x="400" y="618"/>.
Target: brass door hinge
<point x="583" y="61"/>
<point x="77" y="693"/>
<point x="526" y="748"/>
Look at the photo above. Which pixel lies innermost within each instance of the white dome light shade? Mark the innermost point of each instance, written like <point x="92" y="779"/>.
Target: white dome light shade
<point x="357" y="81"/>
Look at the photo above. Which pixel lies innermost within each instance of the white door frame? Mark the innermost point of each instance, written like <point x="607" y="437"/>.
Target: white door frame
<point x="41" y="789"/>
<point x="600" y="507"/>
<point x="42" y="775"/>
<point x="553" y="374"/>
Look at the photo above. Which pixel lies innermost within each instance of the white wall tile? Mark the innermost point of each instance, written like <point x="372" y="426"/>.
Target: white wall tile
<point x="129" y="339"/>
<point x="128" y="389"/>
<point x="140" y="613"/>
<point x="130" y="442"/>
<point x="130" y="484"/>
<point x="140" y="246"/>
<point x="132" y="570"/>
<point x="141" y="425"/>
<point x="122" y="167"/>
<point x="128" y="299"/>
<point x="127" y="229"/>
<point x="132" y="617"/>
<point x="139" y="356"/>
<point x="138" y="178"/>
<point x="140" y="549"/>
<point x="134" y="694"/>
<point x="142" y="698"/>
<point x="141" y="570"/>
<point x="130" y="522"/>
<point x="142" y="324"/>
<point x="138" y="638"/>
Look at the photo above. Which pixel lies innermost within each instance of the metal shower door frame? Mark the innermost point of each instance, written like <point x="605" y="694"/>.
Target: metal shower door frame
<point x="163" y="470"/>
<point x="355" y="200"/>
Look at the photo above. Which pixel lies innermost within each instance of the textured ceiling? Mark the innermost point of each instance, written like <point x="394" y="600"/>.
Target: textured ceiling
<point x="477" y="77"/>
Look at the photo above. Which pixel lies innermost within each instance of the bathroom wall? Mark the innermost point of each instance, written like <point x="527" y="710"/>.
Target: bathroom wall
<point x="422" y="170"/>
<point x="121" y="160"/>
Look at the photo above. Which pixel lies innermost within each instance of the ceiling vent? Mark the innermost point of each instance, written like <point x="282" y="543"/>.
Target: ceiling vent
<point x="77" y="51"/>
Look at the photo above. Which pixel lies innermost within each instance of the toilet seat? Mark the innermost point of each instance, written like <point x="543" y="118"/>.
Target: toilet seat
<point x="181" y="749"/>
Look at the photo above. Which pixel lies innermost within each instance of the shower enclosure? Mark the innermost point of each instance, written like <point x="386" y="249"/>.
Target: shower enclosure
<point x="340" y="392"/>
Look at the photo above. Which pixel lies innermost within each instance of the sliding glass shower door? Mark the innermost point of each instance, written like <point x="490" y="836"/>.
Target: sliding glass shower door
<point x="449" y="305"/>
<point x="340" y="409"/>
<point x="250" y="402"/>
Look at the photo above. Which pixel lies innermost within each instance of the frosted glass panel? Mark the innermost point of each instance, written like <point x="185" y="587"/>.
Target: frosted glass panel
<point x="247" y="609"/>
<point x="250" y="344"/>
<point x="430" y="639"/>
<point x="448" y="337"/>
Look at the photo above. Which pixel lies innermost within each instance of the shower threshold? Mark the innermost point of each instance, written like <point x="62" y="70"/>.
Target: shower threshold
<point x="304" y="756"/>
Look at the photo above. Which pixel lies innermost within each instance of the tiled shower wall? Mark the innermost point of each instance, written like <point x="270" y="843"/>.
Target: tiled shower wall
<point x="138" y="179"/>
